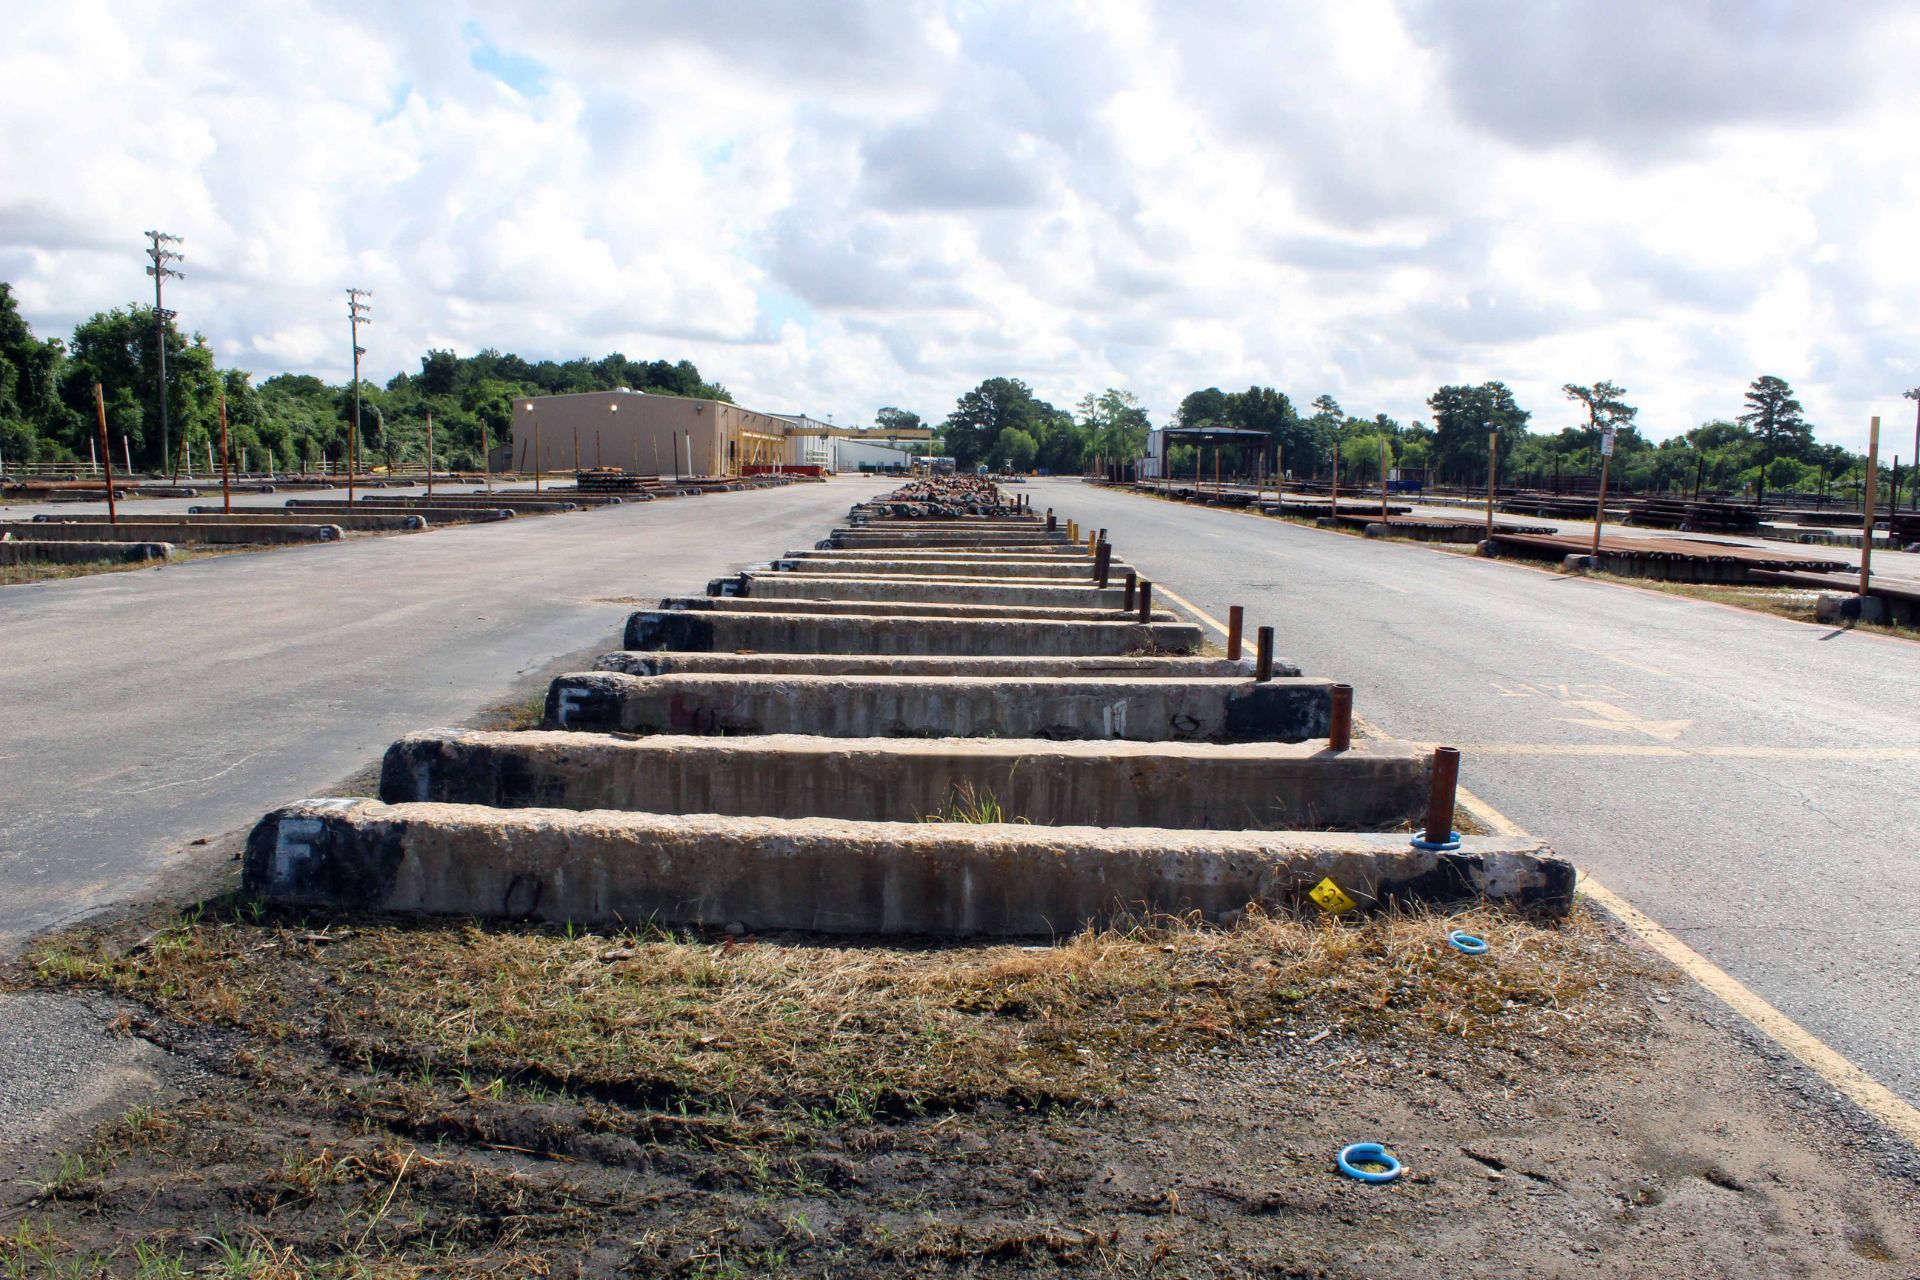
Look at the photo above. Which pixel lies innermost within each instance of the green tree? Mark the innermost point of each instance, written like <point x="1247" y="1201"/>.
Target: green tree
<point x="1268" y="411"/>
<point x="1462" y="416"/>
<point x="892" y="419"/>
<point x="1016" y="449"/>
<point x="1605" y="408"/>
<point x="973" y="429"/>
<point x="1206" y="408"/>
<point x="32" y="416"/>
<point x="1112" y="425"/>
<point x="1775" y="417"/>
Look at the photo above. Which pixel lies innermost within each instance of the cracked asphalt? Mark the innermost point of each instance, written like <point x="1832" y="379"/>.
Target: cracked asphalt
<point x="1746" y="780"/>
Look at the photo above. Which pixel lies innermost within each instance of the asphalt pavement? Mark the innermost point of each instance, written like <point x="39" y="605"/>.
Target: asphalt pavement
<point x="1746" y="780"/>
<point x="142" y="710"/>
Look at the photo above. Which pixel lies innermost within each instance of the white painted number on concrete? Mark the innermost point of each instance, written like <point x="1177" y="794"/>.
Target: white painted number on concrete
<point x="570" y="700"/>
<point x="293" y="845"/>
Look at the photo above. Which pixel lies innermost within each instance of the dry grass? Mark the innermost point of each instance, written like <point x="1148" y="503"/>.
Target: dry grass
<point x="806" y="1031"/>
<point x="404" y="1099"/>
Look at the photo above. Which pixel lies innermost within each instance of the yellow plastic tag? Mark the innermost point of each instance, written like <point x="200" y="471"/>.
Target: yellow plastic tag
<point x="1331" y="898"/>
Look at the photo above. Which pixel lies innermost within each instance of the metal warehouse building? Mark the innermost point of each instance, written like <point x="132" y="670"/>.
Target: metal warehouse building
<point x="667" y="435"/>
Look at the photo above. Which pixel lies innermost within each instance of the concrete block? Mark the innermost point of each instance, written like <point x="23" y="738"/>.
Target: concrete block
<point x="898" y="608"/>
<point x="14" y="552"/>
<point x="436" y="514"/>
<point x="841" y="664"/>
<point x="827" y="876"/>
<point x="352" y="522"/>
<point x="805" y="586"/>
<point x="1245" y="786"/>
<point x="179" y="532"/>
<point x="948" y="555"/>
<point x="1071" y="569"/>
<point x="1149" y="709"/>
<point x="1839" y="608"/>
<point x="841" y="633"/>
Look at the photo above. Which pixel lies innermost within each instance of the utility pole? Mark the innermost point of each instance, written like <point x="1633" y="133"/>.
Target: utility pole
<point x="158" y="257"/>
<point x="1913" y="395"/>
<point x="358" y="313"/>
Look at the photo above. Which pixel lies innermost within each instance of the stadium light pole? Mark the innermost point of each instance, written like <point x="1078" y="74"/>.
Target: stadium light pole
<point x="158" y="257"/>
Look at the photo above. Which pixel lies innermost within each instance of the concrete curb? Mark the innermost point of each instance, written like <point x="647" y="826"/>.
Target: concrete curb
<point x="1135" y="709"/>
<point x="801" y="586"/>
<point x="840" y="633"/>
<point x="836" y="664"/>
<point x="902" y="608"/>
<point x="929" y="879"/>
<point x="1374" y="786"/>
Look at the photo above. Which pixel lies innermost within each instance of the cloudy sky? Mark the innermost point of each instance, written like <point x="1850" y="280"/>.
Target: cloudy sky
<point x="838" y="206"/>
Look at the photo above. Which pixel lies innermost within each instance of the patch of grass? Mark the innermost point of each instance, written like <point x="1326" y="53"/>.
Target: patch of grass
<point x="967" y="804"/>
<point x="814" y="1035"/>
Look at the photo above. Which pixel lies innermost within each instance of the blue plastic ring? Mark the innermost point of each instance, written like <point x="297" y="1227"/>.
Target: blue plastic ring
<point x="1371" y="1153"/>
<point x="1464" y="941"/>
<point x="1448" y="845"/>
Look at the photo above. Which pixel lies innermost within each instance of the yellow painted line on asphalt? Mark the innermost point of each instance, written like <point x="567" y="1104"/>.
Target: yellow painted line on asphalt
<point x="1192" y="608"/>
<point x="1872" y="1097"/>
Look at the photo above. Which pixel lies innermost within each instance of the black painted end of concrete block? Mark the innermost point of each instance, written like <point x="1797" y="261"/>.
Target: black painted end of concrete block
<point x="1459" y="877"/>
<point x="586" y="703"/>
<point x="297" y="855"/>
<point x="1280" y="712"/>
<point x="653" y="629"/>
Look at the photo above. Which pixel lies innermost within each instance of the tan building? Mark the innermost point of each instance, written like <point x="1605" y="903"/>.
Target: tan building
<point x="649" y="434"/>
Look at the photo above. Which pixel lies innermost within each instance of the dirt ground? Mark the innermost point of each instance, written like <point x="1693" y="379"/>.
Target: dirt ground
<point x="369" y="1097"/>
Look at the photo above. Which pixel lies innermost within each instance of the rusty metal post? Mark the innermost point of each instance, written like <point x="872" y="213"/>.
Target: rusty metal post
<point x="536" y="453"/>
<point x="1128" y="602"/>
<point x="1051" y="523"/>
<point x="106" y="450"/>
<point x="1103" y="562"/>
<point x="1146" y="600"/>
<point x="429" y="455"/>
<point x="1236" y="619"/>
<point x="226" y="485"/>
<point x="1263" y="654"/>
<point x="1340" y="733"/>
<point x="486" y="456"/>
<point x="1440" y="794"/>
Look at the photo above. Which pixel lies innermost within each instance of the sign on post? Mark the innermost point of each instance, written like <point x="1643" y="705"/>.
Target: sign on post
<point x="1606" y="441"/>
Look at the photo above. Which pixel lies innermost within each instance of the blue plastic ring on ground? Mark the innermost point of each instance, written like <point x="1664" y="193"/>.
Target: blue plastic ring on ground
<point x="1370" y="1153"/>
<point x="1464" y="941"/>
<point x="1448" y="845"/>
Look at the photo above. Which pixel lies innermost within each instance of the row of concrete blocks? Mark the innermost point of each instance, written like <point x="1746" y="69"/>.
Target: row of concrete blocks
<point x="791" y="789"/>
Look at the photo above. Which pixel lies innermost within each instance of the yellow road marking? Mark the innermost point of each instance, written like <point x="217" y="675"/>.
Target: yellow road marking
<point x="1192" y="608"/>
<point x="1872" y="1097"/>
<point x="1608" y="716"/>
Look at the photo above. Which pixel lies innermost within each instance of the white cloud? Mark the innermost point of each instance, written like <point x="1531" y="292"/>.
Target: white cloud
<point x="840" y="206"/>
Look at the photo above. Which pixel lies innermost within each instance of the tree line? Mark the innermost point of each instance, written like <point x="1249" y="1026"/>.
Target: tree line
<point x="47" y="408"/>
<point x="1767" y="445"/>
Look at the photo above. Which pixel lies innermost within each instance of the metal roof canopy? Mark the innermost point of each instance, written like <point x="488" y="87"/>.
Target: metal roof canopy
<point x="1217" y="435"/>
